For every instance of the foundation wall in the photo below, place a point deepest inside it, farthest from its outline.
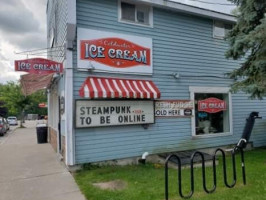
(53, 138)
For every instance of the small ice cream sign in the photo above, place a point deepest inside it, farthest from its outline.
(211, 105)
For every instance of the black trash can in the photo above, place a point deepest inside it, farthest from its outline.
(41, 133)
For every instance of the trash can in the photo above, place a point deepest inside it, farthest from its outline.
(41, 133)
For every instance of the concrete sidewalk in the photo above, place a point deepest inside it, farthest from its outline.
(31, 171)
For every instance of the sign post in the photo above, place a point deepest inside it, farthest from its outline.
(42, 105)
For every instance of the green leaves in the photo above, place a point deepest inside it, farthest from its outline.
(13, 99)
(248, 40)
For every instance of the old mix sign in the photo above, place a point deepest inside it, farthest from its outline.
(113, 52)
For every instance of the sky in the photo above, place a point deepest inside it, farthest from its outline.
(222, 6)
(23, 27)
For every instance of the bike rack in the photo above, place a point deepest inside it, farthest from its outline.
(239, 147)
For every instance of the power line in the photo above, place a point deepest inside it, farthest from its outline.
(206, 2)
(51, 53)
(36, 50)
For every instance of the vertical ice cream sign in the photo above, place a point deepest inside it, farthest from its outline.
(111, 52)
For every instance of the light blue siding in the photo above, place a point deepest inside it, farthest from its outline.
(60, 90)
(56, 19)
(182, 44)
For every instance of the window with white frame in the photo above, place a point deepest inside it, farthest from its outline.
(213, 113)
(135, 13)
(221, 29)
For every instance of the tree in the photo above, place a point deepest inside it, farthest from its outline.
(248, 40)
(14, 100)
(3, 109)
(18, 104)
(34, 100)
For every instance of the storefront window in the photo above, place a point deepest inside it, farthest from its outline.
(212, 111)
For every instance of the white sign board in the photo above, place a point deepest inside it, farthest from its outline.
(91, 113)
(174, 108)
(114, 52)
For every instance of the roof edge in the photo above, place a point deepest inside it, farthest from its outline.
(183, 8)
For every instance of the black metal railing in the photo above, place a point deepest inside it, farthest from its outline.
(214, 157)
(238, 148)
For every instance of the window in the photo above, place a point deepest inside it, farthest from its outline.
(128, 11)
(135, 13)
(213, 113)
(220, 29)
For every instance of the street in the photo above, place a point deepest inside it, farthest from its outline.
(5, 137)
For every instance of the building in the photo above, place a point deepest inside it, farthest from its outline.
(131, 56)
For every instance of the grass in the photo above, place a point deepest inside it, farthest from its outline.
(146, 182)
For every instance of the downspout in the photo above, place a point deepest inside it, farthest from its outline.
(69, 98)
(143, 158)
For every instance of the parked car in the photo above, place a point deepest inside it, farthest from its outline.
(7, 124)
(12, 120)
(3, 126)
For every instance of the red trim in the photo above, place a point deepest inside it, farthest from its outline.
(131, 92)
(100, 91)
(142, 90)
(135, 89)
(148, 89)
(108, 91)
(156, 89)
(90, 88)
(130, 83)
(124, 94)
(114, 88)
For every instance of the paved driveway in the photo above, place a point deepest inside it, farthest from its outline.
(31, 171)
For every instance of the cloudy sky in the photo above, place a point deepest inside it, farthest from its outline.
(23, 27)
(223, 6)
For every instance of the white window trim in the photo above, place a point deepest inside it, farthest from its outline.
(194, 90)
(134, 23)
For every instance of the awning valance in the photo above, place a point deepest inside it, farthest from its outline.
(33, 82)
(99, 87)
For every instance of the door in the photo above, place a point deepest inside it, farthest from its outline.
(59, 126)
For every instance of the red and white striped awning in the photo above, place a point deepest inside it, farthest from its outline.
(98, 87)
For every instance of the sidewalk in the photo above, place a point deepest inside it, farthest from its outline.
(31, 171)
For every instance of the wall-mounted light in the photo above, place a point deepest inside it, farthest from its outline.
(56, 75)
(145, 126)
(91, 67)
(176, 75)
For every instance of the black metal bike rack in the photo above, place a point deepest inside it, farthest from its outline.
(238, 148)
